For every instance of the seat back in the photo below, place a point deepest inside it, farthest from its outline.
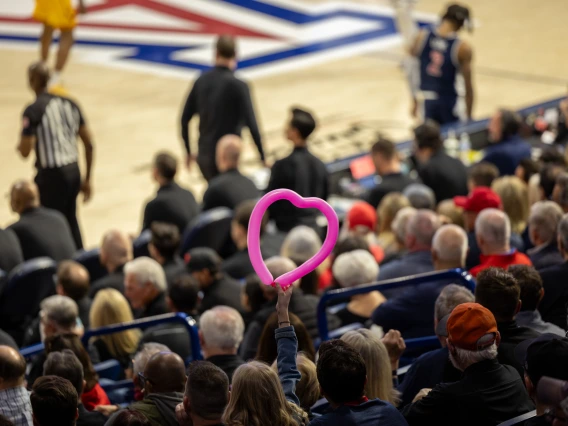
(91, 261)
(110, 369)
(210, 229)
(519, 420)
(27, 285)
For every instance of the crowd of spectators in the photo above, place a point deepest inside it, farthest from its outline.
(504, 220)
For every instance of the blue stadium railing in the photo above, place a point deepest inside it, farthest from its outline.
(180, 318)
(460, 276)
(189, 323)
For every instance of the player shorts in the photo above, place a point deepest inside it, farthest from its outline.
(58, 14)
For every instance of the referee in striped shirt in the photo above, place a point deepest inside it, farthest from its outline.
(50, 125)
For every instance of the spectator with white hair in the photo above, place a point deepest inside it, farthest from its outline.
(493, 233)
(145, 286)
(543, 221)
(420, 196)
(300, 245)
(115, 252)
(553, 304)
(397, 248)
(412, 309)
(302, 305)
(420, 230)
(355, 268)
(488, 392)
(221, 331)
(434, 367)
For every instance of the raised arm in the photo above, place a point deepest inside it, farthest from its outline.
(465, 58)
(287, 345)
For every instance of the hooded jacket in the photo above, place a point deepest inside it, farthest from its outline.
(159, 409)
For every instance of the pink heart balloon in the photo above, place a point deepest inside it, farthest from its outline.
(253, 237)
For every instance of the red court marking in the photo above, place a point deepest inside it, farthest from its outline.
(208, 25)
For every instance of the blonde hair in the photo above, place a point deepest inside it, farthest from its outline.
(110, 307)
(388, 208)
(376, 357)
(515, 198)
(257, 399)
(307, 389)
(454, 213)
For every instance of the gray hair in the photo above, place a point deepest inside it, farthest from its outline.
(147, 351)
(420, 196)
(355, 268)
(562, 182)
(464, 358)
(62, 310)
(544, 218)
(300, 244)
(451, 296)
(400, 221)
(494, 227)
(222, 327)
(147, 270)
(450, 244)
(423, 225)
(563, 232)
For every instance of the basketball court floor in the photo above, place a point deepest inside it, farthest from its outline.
(135, 60)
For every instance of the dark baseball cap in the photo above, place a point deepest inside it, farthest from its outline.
(202, 258)
(546, 355)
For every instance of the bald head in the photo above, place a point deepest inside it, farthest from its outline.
(72, 280)
(38, 75)
(449, 247)
(164, 372)
(116, 250)
(493, 231)
(24, 195)
(228, 152)
(12, 367)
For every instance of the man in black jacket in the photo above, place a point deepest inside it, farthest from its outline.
(116, 251)
(218, 288)
(488, 393)
(163, 248)
(41, 231)
(10, 250)
(499, 291)
(224, 105)
(230, 188)
(301, 172)
(543, 223)
(145, 287)
(172, 204)
(446, 176)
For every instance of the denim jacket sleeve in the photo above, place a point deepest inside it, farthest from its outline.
(287, 345)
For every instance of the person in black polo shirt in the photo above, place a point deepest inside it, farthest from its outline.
(446, 176)
(173, 204)
(224, 106)
(230, 188)
(387, 164)
(301, 172)
(50, 125)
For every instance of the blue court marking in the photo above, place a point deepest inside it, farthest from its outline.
(161, 54)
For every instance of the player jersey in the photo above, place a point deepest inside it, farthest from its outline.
(55, 122)
(439, 66)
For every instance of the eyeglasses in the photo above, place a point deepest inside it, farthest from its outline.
(143, 379)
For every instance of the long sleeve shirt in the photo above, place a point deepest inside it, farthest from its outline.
(224, 106)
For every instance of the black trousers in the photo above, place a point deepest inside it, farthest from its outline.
(208, 166)
(58, 190)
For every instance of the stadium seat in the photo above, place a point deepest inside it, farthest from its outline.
(338, 332)
(140, 244)
(90, 260)
(110, 369)
(519, 420)
(27, 285)
(210, 229)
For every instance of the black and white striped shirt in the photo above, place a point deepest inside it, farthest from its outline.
(55, 122)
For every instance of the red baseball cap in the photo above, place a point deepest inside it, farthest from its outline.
(479, 199)
(471, 327)
(362, 214)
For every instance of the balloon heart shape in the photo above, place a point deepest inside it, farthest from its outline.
(253, 237)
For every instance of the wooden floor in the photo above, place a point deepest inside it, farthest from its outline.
(519, 60)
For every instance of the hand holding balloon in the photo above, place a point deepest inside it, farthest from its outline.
(253, 237)
(284, 296)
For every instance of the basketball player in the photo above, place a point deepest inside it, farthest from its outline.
(445, 65)
(60, 15)
(50, 126)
